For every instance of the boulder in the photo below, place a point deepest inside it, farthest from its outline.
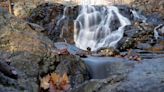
(75, 69)
(32, 55)
(147, 76)
(23, 48)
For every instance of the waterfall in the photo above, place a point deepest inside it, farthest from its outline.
(95, 2)
(93, 26)
(138, 16)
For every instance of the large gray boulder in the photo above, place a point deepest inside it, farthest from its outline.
(23, 48)
(147, 76)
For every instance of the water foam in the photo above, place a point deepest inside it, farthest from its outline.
(92, 27)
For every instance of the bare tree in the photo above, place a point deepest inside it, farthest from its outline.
(10, 7)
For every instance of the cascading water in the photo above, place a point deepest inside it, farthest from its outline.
(98, 26)
(92, 28)
(61, 21)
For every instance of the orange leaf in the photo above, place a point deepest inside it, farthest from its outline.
(60, 83)
(65, 79)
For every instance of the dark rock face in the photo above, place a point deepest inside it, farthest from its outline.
(125, 11)
(75, 68)
(136, 34)
(143, 46)
(51, 17)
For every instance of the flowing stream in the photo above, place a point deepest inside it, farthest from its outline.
(94, 28)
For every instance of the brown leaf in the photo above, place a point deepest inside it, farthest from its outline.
(55, 82)
(60, 83)
(45, 82)
(65, 79)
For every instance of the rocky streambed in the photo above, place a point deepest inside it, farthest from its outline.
(43, 44)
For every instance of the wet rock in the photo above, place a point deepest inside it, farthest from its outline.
(131, 31)
(143, 77)
(51, 17)
(108, 52)
(159, 32)
(75, 68)
(133, 55)
(154, 19)
(144, 46)
(97, 85)
(126, 43)
(137, 33)
(141, 31)
(125, 11)
(157, 47)
(148, 80)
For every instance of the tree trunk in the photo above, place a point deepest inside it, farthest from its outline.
(10, 7)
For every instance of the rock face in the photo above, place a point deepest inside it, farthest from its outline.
(75, 68)
(147, 76)
(57, 19)
(28, 54)
(150, 6)
(23, 48)
(23, 9)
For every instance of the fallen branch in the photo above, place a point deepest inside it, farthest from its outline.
(7, 70)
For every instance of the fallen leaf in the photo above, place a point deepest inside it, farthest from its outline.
(60, 83)
(45, 82)
(55, 82)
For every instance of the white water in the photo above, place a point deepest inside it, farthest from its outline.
(159, 27)
(138, 16)
(64, 17)
(92, 27)
(95, 2)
